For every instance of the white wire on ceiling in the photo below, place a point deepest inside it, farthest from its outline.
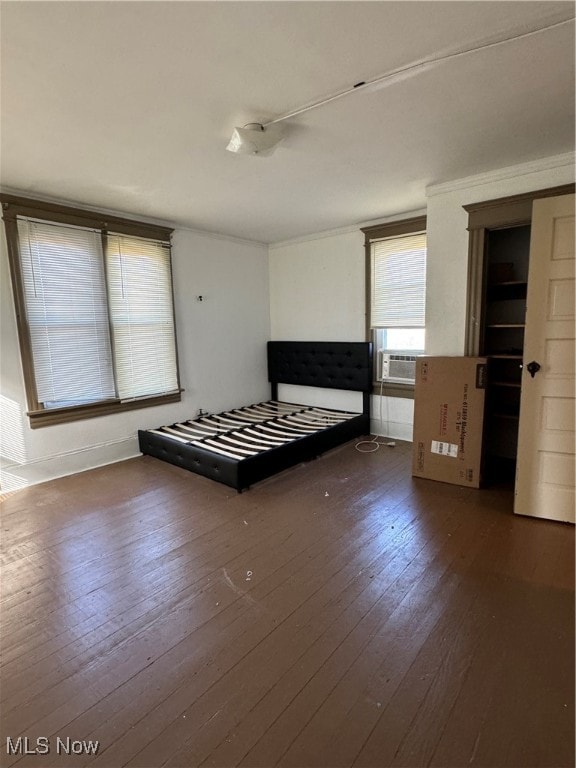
(415, 68)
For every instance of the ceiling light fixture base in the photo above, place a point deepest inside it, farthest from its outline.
(255, 139)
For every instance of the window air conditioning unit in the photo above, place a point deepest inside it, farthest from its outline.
(397, 368)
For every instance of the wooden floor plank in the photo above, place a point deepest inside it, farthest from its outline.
(298, 631)
(317, 718)
(341, 613)
(275, 608)
(66, 691)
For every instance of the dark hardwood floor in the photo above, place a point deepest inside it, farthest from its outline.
(339, 614)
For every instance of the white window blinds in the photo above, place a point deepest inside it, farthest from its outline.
(66, 307)
(141, 315)
(100, 319)
(398, 291)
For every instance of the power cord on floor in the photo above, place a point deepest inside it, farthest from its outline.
(375, 443)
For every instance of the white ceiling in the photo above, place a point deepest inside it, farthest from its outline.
(129, 105)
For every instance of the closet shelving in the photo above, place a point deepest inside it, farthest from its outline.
(502, 342)
(499, 252)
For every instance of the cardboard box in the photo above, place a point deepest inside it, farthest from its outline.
(448, 419)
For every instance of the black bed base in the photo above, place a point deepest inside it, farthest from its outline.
(243, 474)
(324, 364)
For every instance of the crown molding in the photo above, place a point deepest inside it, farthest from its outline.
(314, 236)
(218, 236)
(175, 225)
(568, 159)
(348, 229)
(31, 195)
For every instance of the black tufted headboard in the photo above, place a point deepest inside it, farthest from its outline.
(327, 364)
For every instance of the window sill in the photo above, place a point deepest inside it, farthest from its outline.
(393, 390)
(52, 416)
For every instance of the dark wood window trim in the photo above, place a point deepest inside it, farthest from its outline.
(405, 391)
(394, 229)
(14, 206)
(51, 416)
(379, 232)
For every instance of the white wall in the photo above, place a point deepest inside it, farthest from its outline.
(221, 339)
(447, 265)
(317, 293)
(222, 351)
(317, 284)
(317, 288)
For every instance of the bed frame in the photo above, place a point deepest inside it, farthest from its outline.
(328, 365)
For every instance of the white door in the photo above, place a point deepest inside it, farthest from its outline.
(545, 467)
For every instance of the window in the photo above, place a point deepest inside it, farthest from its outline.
(95, 311)
(396, 296)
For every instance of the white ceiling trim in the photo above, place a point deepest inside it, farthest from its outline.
(85, 207)
(348, 229)
(567, 159)
(218, 236)
(130, 215)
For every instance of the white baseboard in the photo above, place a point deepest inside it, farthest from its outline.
(14, 476)
(394, 429)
